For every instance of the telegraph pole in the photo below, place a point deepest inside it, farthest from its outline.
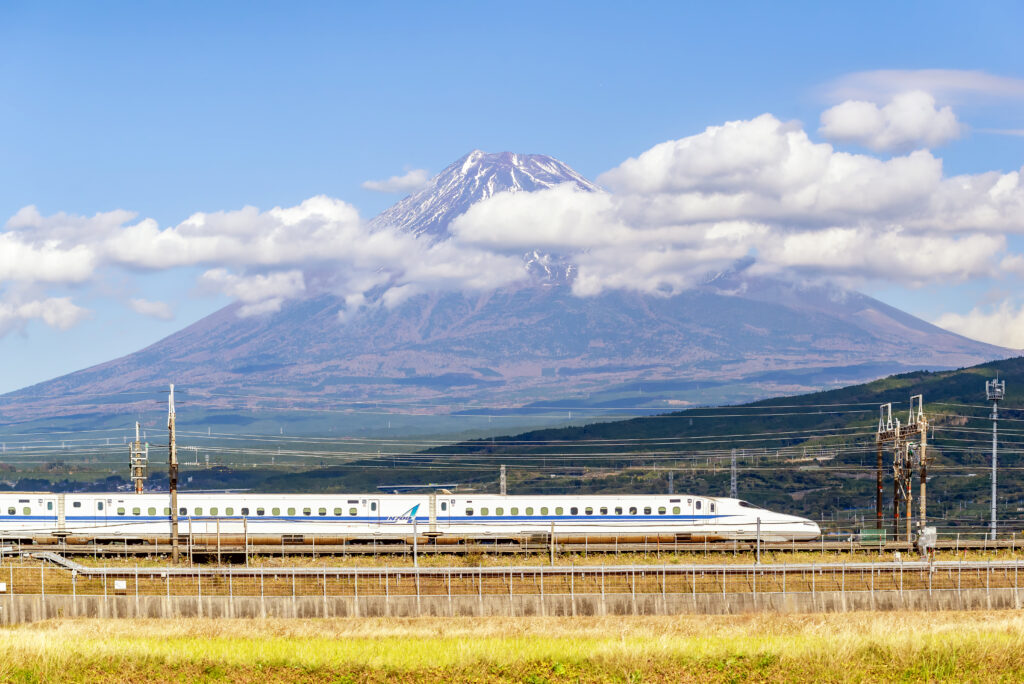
(503, 482)
(995, 390)
(172, 475)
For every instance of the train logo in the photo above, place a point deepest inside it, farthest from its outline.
(406, 517)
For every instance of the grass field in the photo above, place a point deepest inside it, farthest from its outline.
(849, 647)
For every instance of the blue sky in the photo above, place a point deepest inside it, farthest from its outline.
(166, 109)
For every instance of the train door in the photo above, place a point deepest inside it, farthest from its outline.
(99, 512)
(444, 513)
(373, 511)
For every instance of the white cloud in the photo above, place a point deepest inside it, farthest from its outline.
(258, 293)
(1002, 325)
(158, 310)
(56, 312)
(946, 84)
(909, 120)
(761, 188)
(406, 183)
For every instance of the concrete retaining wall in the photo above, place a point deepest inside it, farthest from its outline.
(29, 608)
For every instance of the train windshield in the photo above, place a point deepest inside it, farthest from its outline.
(745, 504)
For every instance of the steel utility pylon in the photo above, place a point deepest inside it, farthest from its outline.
(907, 456)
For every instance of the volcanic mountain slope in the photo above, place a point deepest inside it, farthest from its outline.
(534, 342)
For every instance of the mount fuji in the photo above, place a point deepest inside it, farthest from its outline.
(734, 337)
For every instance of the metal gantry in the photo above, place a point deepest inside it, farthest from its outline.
(908, 456)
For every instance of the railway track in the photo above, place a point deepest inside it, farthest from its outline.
(208, 548)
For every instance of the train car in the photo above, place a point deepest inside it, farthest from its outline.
(444, 516)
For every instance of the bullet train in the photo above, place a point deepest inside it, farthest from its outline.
(442, 516)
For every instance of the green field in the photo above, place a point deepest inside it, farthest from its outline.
(848, 647)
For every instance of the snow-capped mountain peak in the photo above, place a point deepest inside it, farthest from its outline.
(475, 177)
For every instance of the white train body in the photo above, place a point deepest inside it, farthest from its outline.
(301, 517)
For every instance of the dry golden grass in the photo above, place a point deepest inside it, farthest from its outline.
(837, 647)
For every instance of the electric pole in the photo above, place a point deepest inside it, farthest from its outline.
(172, 475)
(503, 482)
(138, 461)
(994, 391)
(733, 490)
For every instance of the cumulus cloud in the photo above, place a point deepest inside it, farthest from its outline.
(57, 312)
(761, 189)
(909, 120)
(159, 310)
(1002, 325)
(260, 293)
(408, 182)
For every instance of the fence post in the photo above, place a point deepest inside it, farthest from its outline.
(231, 593)
(355, 600)
(325, 591)
(784, 573)
(136, 591)
(42, 580)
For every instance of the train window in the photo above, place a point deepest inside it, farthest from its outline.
(559, 510)
(151, 511)
(661, 510)
(275, 511)
(182, 511)
(120, 511)
(49, 505)
(444, 505)
(574, 511)
(589, 511)
(229, 511)
(167, 511)
(199, 511)
(373, 505)
(76, 504)
(337, 511)
(604, 510)
(697, 505)
(499, 511)
(514, 511)
(99, 505)
(10, 511)
(632, 510)
(712, 508)
(261, 511)
(484, 511)
(245, 511)
(675, 510)
(529, 510)
(214, 510)
(353, 511)
(136, 511)
(544, 510)
(618, 510)
(673, 500)
(307, 511)
(322, 511)
(27, 510)
(353, 501)
(291, 511)
(469, 511)
(647, 510)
